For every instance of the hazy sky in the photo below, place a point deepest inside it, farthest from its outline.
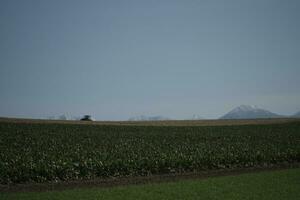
(117, 59)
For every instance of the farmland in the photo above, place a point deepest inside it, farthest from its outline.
(47, 152)
(271, 185)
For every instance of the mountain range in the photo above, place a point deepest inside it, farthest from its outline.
(240, 112)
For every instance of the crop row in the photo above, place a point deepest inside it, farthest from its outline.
(60, 152)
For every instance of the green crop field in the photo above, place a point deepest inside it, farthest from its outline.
(40, 152)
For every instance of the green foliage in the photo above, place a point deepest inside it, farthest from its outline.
(59, 152)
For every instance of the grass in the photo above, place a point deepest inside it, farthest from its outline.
(275, 185)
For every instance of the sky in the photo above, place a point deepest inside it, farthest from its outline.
(118, 59)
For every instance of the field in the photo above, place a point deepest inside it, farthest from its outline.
(53, 152)
(274, 185)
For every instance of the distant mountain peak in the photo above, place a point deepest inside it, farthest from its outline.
(249, 112)
(247, 107)
(195, 117)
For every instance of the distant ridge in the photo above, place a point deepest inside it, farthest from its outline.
(195, 117)
(249, 112)
(148, 118)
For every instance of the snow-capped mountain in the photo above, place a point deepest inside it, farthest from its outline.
(148, 118)
(249, 112)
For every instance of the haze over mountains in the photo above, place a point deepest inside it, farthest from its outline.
(148, 118)
(240, 112)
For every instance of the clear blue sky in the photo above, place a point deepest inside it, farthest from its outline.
(117, 59)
